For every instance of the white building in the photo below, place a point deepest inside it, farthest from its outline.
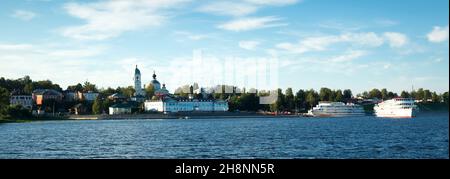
(171, 105)
(23, 100)
(166, 103)
(122, 108)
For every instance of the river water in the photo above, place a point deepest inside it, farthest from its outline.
(360, 137)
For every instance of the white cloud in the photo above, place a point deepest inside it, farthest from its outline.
(229, 8)
(192, 36)
(249, 45)
(15, 46)
(24, 15)
(245, 24)
(321, 43)
(396, 39)
(349, 56)
(238, 8)
(68, 64)
(273, 2)
(108, 19)
(439, 34)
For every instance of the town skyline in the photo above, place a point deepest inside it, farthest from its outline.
(316, 45)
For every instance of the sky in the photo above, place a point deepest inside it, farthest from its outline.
(303, 44)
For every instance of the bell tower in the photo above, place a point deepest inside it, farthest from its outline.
(137, 82)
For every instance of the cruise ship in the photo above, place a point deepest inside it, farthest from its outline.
(396, 108)
(336, 109)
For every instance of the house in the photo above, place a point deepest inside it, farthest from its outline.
(117, 97)
(42, 95)
(70, 96)
(24, 100)
(89, 96)
(123, 108)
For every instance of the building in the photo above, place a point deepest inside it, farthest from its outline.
(137, 83)
(90, 96)
(70, 96)
(42, 95)
(24, 100)
(166, 102)
(117, 97)
(171, 105)
(155, 83)
(123, 108)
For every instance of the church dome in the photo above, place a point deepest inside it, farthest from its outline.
(155, 83)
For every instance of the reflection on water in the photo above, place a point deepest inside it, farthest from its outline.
(361, 137)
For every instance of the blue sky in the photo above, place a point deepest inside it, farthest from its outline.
(355, 44)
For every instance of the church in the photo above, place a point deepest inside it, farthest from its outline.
(163, 101)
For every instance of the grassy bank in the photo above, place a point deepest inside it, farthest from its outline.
(31, 119)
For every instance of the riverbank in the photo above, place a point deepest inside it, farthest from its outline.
(186, 115)
(195, 115)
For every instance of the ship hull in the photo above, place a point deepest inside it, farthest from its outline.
(396, 113)
(319, 114)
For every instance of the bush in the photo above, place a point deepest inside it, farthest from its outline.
(14, 112)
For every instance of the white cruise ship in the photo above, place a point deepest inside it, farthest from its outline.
(336, 109)
(396, 108)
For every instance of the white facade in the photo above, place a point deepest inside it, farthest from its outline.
(23, 100)
(396, 108)
(186, 106)
(115, 111)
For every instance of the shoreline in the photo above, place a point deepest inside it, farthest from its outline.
(168, 116)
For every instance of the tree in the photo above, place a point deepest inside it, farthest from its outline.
(87, 86)
(28, 88)
(419, 94)
(234, 103)
(325, 94)
(435, 98)
(77, 87)
(289, 100)
(14, 112)
(426, 95)
(347, 95)
(445, 97)
(4, 102)
(405, 94)
(384, 94)
(97, 106)
(46, 84)
(150, 91)
(103, 93)
(312, 98)
(391, 95)
(339, 97)
(279, 104)
(300, 100)
(375, 93)
(128, 91)
(248, 102)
